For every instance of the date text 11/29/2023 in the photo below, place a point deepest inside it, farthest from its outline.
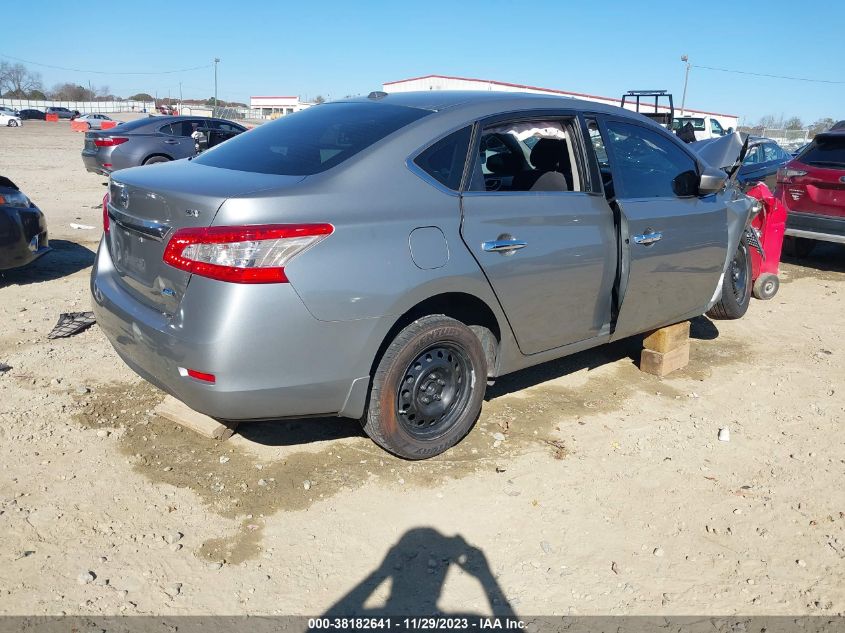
(416, 624)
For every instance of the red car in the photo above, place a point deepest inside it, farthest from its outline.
(812, 186)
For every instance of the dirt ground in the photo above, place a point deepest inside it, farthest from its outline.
(609, 494)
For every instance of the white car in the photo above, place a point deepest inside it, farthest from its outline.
(94, 121)
(10, 120)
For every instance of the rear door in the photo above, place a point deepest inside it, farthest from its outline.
(543, 238)
(673, 246)
(176, 140)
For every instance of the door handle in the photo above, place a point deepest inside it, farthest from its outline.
(171, 141)
(506, 247)
(649, 237)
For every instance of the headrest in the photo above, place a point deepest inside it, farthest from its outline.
(503, 163)
(547, 153)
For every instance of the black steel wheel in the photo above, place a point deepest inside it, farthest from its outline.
(428, 388)
(736, 286)
(434, 391)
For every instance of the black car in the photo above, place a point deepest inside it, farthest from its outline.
(37, 115)
(63, 113)
(23, 229)
(762, 161)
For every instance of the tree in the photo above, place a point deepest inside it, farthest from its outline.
(36, 95)
(17, 79)
(794, 123)
(319, 99)
(821, 125)
(71, 92)
(141, 96)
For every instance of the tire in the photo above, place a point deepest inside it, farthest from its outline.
(12, 123)
(798, 247)
(152, 160)
(442, 363)
(89, 126)
(766, 286)
(736, 287)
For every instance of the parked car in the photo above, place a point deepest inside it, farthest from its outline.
(63, 113)
(94, 121)
(28, 114)
(704, 127)
(762, 161)
(370, 259)
(9, 111)
(812, 186)
(10, 120)
(152, 140)
(23, 229)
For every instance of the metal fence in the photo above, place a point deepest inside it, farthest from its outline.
(82, 106)
(786, 138)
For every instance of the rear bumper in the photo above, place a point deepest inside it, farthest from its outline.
(23, 237)
(93, 164)
(816, 227)
(271, 358)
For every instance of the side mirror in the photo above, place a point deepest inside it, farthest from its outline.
(686, 184)
(711, 181)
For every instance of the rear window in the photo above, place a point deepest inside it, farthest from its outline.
(134, 125)
(311, 141)
(825, 151)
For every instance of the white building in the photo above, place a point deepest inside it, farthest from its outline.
(443, 82)
(274, 107)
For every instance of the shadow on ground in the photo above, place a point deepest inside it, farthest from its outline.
(827, 258)
(416, 568)
(701, 328)
(300, 431)
(65, 259)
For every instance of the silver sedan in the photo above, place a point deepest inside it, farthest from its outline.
(94, 121)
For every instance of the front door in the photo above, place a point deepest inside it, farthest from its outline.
(674, 246)
(546, 244)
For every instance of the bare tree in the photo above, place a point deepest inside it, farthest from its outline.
(319, 99)
(71, 92)
(821, 125)
(17, 81)
(794, 123)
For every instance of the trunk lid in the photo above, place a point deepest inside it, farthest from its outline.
(148, 204)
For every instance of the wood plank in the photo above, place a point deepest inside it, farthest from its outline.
(668, 338)
(179, 412)
(662, 363)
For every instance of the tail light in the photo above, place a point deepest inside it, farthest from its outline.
(242, 254)
(786, 174)
(110, 141)
(106, 213)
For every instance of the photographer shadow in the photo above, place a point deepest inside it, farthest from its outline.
(417, 566)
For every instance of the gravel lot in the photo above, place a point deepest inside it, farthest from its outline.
(586, 487)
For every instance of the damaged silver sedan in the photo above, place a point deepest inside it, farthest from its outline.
(382, 258)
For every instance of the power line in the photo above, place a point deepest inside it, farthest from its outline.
(103, 72)
(744, 72)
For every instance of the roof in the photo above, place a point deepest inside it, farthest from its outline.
(546, 90)
(446, 99)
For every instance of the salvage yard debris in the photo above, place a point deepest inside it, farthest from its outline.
(71, 323)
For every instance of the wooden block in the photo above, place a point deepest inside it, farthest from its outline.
(662, 363)
(668, 338)
(179, 412)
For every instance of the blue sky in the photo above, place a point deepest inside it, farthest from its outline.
(334, 48)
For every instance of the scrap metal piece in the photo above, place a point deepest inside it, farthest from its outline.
(71, 323)
(4, 368)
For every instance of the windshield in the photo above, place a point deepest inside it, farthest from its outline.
(311, 141)
(825, 151)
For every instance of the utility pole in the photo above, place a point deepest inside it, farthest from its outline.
(216, 61)
(685, 59)
(180, 97)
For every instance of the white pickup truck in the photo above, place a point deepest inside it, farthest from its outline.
(705, 127)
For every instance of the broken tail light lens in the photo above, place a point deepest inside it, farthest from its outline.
(110, 141)
(106, 214)
(242, 254)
